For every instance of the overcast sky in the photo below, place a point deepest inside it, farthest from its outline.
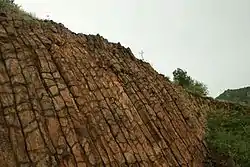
(210, 39)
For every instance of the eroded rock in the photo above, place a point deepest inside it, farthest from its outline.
(78, 100)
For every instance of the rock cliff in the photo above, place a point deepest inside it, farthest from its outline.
(70, 99)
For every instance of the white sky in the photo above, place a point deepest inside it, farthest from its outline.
(210, 39)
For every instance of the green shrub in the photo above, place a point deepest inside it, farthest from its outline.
(188, 83)
(228, 133)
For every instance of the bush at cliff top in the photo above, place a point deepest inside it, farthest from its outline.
(229, 134)
(188, 83)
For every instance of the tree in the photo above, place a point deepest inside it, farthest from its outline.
(182, 78)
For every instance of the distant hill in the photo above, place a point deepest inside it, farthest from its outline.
(241, 95)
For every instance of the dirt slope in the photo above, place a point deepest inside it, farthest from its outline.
(78, 100)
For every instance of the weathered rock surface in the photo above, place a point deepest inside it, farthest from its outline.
(78, 100)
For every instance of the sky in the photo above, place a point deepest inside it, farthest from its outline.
(210, 39)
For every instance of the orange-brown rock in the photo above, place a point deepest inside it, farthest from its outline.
(70, 99)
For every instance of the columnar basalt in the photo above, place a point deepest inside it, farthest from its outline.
(70, 99)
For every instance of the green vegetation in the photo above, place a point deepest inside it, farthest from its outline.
(182, 78)
(10, 7)
(228, 134)
(241, 96)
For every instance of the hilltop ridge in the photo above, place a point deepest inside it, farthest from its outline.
(241, 95)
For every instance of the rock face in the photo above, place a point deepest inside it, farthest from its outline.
(78, 100)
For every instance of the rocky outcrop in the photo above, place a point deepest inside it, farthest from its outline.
(70, 99)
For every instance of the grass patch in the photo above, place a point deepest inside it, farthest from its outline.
(9, 6)
(228, 134)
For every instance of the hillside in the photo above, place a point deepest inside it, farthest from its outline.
(70, 99)
(241, 95)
